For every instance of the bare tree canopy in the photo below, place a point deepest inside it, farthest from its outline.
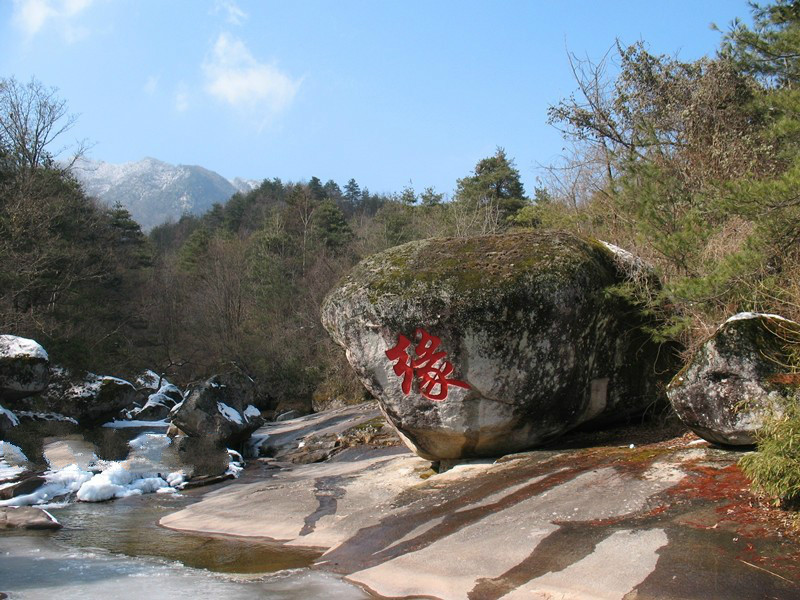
(32, 117)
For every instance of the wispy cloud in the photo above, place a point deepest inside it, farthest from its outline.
(233, 14)
(234, 76)
(31, 16)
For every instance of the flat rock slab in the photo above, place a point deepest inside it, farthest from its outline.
(286, 440)
(26, 517)
(669, 520)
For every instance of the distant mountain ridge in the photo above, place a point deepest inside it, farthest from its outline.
(155, 191)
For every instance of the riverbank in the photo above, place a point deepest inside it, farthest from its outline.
(630, 513)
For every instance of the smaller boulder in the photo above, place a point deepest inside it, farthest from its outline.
(158, 405)
(24, 367)
(26, 484)
(90, 399)
(219, 411)
(735, 379)
(26, 517)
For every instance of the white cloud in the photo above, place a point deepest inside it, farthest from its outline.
(233, 14)
(32, 15)
(235, 77)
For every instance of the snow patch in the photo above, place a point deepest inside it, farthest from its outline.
(236, 464)
(134, 424)
(141, 473)
(11, 416)
(46, 416)
(251, 411)
(57, 483)
(230, 413)
(14, 346)
(90, 386)
(755, 315)
(118, 481)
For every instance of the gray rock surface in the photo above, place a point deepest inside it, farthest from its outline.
(735, 379)
(24, 367)
(217, 411)
(537, 343)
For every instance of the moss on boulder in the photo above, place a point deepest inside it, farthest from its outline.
(528, 323)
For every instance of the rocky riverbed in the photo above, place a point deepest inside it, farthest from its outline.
(337, 507)
(639, 512)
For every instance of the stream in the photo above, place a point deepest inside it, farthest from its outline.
(117, 550)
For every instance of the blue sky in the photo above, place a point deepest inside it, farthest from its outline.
(385, 92)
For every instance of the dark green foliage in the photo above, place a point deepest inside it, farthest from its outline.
(430, 197)
(331, 227)
(70, 272)
(316, 189)
(194, 251)
(775, 468)
(495, 184)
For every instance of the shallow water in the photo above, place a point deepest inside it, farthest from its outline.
(117, 550)
(134, 523)
(34, 567)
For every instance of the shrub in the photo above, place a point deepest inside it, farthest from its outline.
(775, 468)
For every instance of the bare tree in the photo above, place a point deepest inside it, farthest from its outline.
(32, 117)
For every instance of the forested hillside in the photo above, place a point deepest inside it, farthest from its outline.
(693, 166)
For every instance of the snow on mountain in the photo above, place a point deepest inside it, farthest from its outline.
(156, 192)
(245, 185)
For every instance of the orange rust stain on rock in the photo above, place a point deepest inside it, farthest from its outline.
(785, 378)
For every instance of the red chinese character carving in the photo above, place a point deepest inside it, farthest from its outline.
(429, 365)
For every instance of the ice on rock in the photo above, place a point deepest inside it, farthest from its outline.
(57, 484)
(230, 413)
(12, 461)
(143, 472)
(251, 411)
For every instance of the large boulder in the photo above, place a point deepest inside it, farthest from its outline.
(515, 339)
(735, 379)
(219, 410)
(24, 367)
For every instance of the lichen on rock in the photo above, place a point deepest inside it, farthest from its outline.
(734, 380)
(526, 320)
